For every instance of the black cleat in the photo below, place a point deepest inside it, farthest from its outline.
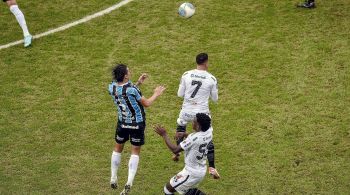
(126, 190)
(114, 186)
(306, 4)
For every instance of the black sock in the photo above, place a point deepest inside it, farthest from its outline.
(180, 129)
(211, 154)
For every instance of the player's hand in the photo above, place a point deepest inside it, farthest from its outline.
(160, 130)
(159, 90)
(142, 78)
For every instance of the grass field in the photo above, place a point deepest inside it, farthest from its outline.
(282, 124)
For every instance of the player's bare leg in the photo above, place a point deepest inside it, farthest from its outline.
(12, 4)
(115, 162)
(211, 159)
(133, 164)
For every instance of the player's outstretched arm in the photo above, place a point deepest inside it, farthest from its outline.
(162, 132)
(158, 91)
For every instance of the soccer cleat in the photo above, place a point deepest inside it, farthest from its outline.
(28, 40)
(114, 185)
(126, 190)
(176, 157)
(213, 172)
(306, 4)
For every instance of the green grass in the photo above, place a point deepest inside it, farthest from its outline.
(282, 124)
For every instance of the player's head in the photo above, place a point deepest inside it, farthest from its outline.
(121, 73)
(202, 122)
(202, 59)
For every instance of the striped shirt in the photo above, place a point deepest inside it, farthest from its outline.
(127, 98)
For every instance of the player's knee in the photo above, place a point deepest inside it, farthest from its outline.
(194, 191)
(11, 3)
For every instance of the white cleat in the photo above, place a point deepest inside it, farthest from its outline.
(213, 172)
(28, 40)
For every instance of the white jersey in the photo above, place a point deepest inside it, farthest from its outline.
(195, 147)
(196, 87)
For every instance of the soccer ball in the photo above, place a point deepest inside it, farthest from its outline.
(186, 10)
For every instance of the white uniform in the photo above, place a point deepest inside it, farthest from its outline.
(195, 147)
(196, 87)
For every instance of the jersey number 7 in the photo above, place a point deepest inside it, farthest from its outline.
(199, 84)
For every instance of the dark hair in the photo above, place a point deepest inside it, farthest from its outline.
(119, 71)
(201, 58)
(204, 121)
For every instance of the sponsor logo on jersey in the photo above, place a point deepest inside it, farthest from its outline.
(207, 138)
(130, 127)
(198, 76)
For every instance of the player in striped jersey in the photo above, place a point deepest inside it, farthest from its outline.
(131, 120)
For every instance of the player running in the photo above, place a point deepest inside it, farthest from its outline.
(131, 120)
(196, 150)
(196, 87)
(12, 4)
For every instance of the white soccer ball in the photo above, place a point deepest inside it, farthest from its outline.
(186, 10)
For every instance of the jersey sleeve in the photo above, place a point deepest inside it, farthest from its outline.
(214, 93)
(135, 93)
(182, 87)
(110, 88)
(188, 142)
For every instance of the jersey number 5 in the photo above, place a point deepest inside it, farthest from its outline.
(203, 150)
(199, 84)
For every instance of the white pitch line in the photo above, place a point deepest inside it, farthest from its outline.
(64, 27)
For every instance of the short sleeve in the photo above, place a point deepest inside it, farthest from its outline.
(135, 93)
(182, 87)
(110, 88)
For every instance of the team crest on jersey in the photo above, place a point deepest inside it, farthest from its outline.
(177, 177)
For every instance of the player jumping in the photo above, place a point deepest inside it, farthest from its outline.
(196, 87)
(21, 21)
(196, 150)
(131, 120)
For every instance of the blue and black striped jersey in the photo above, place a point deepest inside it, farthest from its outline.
(127, 98)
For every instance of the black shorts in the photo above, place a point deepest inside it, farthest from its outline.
(135, 132)
(5, 0)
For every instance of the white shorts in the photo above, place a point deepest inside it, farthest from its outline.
(187, 116)
(184, 180)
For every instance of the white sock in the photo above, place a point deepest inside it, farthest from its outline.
(20, 19)
(115, 162)
(133, 163)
